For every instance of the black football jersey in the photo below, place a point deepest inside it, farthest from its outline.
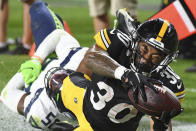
(107, 106)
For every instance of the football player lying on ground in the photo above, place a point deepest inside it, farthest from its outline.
(34, 104)
(110, 72)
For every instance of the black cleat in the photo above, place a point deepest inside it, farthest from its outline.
(126, 23)
(4, 50)
(20, 50)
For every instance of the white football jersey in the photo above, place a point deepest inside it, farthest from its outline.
(39, 109)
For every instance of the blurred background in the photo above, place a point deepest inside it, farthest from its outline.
(76, 14)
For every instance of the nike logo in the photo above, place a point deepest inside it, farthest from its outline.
(179, 85)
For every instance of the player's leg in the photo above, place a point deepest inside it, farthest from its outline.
(43, 21)
(130, 5)
(27, 32)
(25, 45)
(99, 11)
(4, 11)
(48, 31)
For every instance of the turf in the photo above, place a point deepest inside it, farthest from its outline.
(82, 29)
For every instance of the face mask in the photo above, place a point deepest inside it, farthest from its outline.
(142, 67)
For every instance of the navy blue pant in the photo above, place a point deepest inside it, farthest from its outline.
(43, 21)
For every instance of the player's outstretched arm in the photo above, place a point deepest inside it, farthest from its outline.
(99, 62)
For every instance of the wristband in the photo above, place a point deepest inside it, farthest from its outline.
(38, 58)
(119, 71)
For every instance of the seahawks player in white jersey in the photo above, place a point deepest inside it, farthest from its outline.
(36, 106)
(33, 103)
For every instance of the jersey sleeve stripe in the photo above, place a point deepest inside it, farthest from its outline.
(104, 39)
(106, 36)
(181, 96)
(99, 41)
(36, 96)
(68, 57)
(180, 93)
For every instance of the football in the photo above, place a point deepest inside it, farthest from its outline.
(164, 100)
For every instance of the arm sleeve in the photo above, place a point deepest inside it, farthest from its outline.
(13, 92)
(112, 41)
(58, 41)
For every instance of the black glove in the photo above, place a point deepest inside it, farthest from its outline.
(136, 82)
(161, 124)
(158, 125)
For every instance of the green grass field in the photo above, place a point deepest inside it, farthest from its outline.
(82, 29)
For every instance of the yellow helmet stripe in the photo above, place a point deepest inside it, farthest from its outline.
(162, 31)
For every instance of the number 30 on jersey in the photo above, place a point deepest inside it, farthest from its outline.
(116, 109)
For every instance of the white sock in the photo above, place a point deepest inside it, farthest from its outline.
(27, 46)
(2, 44)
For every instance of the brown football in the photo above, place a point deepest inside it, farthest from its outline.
(156, 102)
